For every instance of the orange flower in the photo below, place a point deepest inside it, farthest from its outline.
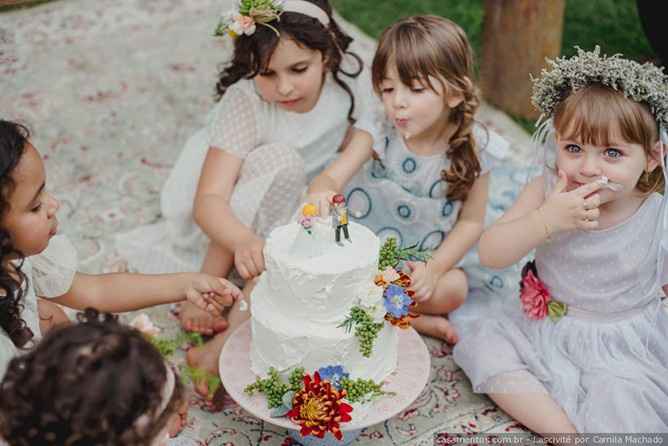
(318, 408)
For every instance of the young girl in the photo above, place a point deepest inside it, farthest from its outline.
(36, 263)
(427, 186)
(96, 382)
(584, 347)
(286, 100)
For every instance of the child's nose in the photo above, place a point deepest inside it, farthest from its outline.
(399, 100)
(590, 166)
(54, 204)
(285, 87)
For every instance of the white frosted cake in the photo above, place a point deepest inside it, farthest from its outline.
(307, 291)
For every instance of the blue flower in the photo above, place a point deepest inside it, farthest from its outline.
(334, 374)
(396, 301)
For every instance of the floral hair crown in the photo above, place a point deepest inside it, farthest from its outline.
(250, 13)
(644, 83)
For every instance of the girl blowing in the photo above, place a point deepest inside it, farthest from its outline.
(584, 347)
(427, 185)
(36, 265)
(93, 383)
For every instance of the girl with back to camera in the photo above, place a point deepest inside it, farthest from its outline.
(427, 185)
(287, 98)
(583, 347)
(93, 383)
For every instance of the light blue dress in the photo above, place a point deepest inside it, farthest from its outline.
(402, 195)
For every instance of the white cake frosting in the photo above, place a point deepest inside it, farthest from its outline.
(307, 291)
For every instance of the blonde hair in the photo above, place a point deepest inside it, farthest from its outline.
(426, 47)
(596, 113)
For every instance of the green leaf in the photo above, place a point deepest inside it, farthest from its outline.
(279, 411)
(287, 399)
(556, 310)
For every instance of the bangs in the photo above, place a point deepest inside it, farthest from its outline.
(411, 51)
(599, 116)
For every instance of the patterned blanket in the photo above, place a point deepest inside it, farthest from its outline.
(111, 90)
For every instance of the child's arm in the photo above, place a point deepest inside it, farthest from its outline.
(213, 213)
(120, 292)
(463, 236)
(333, 179)
(533, 219)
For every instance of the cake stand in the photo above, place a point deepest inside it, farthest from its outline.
(406, 382)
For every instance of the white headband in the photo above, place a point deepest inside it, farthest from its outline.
(307, 8)
(165, 395)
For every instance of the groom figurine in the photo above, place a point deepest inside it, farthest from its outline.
(340, 216)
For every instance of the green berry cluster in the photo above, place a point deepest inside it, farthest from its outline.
(389, 254)
(273, 386)
(361, 389)
(366, 330)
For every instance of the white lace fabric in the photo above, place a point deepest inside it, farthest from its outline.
(50, 274)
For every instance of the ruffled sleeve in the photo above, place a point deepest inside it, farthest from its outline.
(54, 269)
(494, 149)
(233, 122)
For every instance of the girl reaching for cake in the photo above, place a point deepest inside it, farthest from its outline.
(427, 184)
(286, 100)
(583, 347)
(38, 265)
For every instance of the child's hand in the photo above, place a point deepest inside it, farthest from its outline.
(211, 293)
(424, 278)
(248, 257)
(576, 209)
(322, 200)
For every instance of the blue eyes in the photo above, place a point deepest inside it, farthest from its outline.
(609, 152)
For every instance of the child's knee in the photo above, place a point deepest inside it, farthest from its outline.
(458, 286)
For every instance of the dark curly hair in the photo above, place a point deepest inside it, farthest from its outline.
(86, 384)
(13, 140)
(253, 53)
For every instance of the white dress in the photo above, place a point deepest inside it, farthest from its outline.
(281, 152)
(606, 362)
(50, 274)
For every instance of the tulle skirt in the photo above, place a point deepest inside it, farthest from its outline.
(607, 375)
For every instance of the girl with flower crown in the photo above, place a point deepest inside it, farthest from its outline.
(420, 171)
(286, 100)
(583, 347)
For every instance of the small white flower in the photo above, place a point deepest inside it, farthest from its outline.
(144, 324)
(372, 297)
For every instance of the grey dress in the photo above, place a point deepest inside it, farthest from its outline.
(606, 361)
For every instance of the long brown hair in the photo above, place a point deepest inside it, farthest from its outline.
(594, 113)
(424, 47)
(253, 53)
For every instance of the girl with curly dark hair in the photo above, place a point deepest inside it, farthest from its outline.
(93, 383)
(286, 101)
(428, 184)
(37, 264)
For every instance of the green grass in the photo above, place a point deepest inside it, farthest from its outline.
(612, 24)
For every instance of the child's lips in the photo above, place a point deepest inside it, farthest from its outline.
(401, 122)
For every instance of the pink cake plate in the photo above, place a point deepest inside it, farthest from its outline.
(406, 382)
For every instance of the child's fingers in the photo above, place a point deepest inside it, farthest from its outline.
(587, 225)
(592, 202)
(588, 189)
(563, 181)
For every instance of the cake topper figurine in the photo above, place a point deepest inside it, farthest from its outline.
(309, 211)
(340, 217)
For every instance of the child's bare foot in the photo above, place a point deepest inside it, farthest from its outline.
(205, 358)
(436, 326)
(199, 321)
(178, 421)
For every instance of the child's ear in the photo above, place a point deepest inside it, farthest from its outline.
(454, 99)
(654, 158)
